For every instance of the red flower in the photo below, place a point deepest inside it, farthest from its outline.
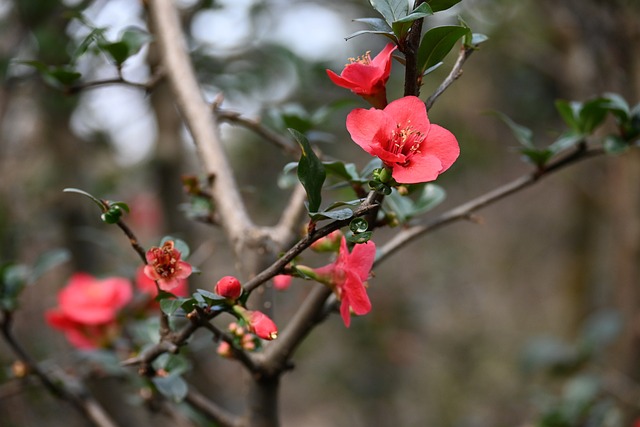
(147, 285)
(404, 139)
(165, 266)
(229, 287)
(347, 276)
(367, 77)
(87, 309)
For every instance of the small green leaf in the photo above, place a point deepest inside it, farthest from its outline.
(613, 144)
(48, 261)
(337, 215)
(172, 386)
(437, 43)
(97, 201)
(565, 141)
(118, 51)
(592, 114)
(377, 25)
(311, 171)
(13, 279)
(391, 10)
(476, 39)
(439, 5)
(170, 306)
(569, 112)
(430, 197)
(401, 26)
(523, 134)
(135, 38)
(538, 157)
(346, 171)
(359, 238)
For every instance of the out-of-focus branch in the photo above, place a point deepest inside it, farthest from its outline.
(287, 227)
(454, 74)
(278, 353)
(147, 87)
(466, 210)
(214, 412)
(80, 399)
(258, 128)
(197, 115)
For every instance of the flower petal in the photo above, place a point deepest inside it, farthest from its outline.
(409, 111)
(356, 294)
(421, 168)
(365, 127)
(442, 144)
(361, 259)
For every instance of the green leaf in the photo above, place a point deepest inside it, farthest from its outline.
(172, 386)
(569, 112)
(401, 26)
(48, 261)
(170, 306)
(210, 295)
(337, 215)
(135, 38)
(592, 114)
(311, 172)
(345, 171)
(567, 140)
(376, 25)
(391, 10)
(618, 106)
(97, 201)
(476, 39)
(437, 43)
(13, 279)
(615, 145)
(118, 51)
(430, 197)
(439, 5)
(523, 134)
(537, 156)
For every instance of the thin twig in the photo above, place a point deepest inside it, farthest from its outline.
(465, 210)
(147, 87)
(255, 126)
(454, 74)
(305, 242)
(80, 400)
(287, 227)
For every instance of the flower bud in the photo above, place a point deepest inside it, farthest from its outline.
(281, 282)
(262, 325)
(229, 287)
(328, 243)
(224, 349)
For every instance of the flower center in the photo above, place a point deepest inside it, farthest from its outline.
(364, 59)
(406, 140)
(165, 260)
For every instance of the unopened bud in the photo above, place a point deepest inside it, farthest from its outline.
(229, 287)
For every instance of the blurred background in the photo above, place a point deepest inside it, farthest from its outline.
(528, 317)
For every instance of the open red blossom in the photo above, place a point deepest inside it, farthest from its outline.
(165, 266)
(88, 307)
(367, 77)
(347, 276)
(402, 137)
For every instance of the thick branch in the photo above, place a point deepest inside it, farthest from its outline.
(197, 115)
(412, 77)
(465, 210)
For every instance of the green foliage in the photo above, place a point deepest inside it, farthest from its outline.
(440, 5)
(424, 197)
(437, 43)
(311, 172)
(58, 77)
(170, 383)
(15, 277)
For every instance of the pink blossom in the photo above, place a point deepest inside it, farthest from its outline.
(347, 276)
(281, 282)
(367, 77)
(402, 137)
(165, 266)
(88, 307)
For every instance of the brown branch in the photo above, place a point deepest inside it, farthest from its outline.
(197, 115)
(465, 210)
(76, 395)
(412, 77)
(212, 411)
(454, 74)
(147, 87)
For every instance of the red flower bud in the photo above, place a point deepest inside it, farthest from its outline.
(262, 326)
(229, 287)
